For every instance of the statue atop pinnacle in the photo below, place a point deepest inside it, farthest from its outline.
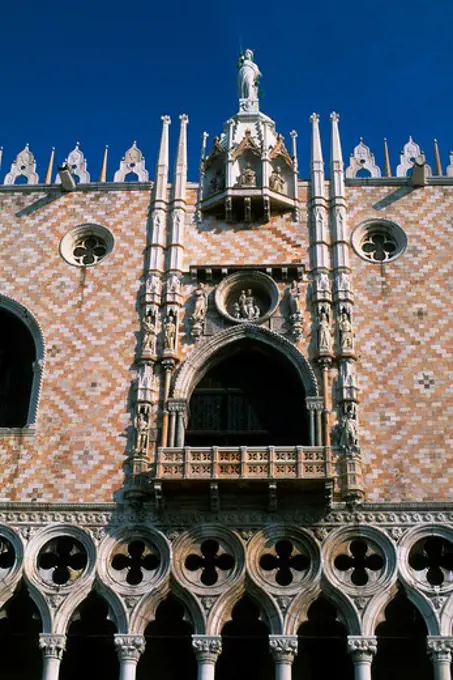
(248, 79)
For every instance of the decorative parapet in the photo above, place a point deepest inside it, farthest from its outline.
(242, 462)
(362, 159)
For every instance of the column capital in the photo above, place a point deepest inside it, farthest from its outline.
(361, 647)
(52, 645)
(129, 647)
(283, 647)
(207, 647)
(440, 647)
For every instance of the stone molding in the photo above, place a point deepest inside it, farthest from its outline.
(129, 647)
(207, 648)
(283, 648)
(52, 645)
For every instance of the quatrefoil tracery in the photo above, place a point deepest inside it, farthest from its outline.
(359, 562)
(138, 560)
(284, 562)
(210, 562)
(434, 557)
(62, 560)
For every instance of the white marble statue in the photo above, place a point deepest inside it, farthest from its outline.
(248, 77)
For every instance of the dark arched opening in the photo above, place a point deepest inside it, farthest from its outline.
(168, 654)
(245, 646)
(17, 354)
(401, 650)
(90, 649)
(322, 648)
(251, 397)
(20, 626)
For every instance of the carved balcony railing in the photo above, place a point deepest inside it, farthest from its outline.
(244, 462)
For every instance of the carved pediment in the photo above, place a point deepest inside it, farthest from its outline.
(280, 150)
(247, 144)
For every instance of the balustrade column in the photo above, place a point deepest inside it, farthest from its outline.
(172, 429)
(440, 650)
(53, 647)
(129, 649)
(362, 650)
(180, 430)
(207, 650)
(283, 649)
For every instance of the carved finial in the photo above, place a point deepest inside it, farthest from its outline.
(23, 165)
(1, 155)
(314, 118)
(77, 165)
(334, 116)
(184, 118)
(387, 168)
(103, 175)
(362, 159)
(49, 172)
(437, 161)
(132, 163)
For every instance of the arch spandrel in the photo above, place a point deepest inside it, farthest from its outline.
(204, 357)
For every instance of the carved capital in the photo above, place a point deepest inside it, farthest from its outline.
(130, 647)
(52, 646)
(362, 648)
(207, 647)
(283, 647)
(440, 648)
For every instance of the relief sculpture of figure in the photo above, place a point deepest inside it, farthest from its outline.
(247, 177)
(246, 307)
(141, 424)
(248, 77)
(276, 181)
(148, 332)
(323, 282)
(200, 304)
(170, 331)
(348, 432)
(346, 333)
(294, 298)
(324, 334)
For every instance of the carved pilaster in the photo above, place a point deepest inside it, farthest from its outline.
(129, 647)
(283, 648)
(53, 646)
(207, 648)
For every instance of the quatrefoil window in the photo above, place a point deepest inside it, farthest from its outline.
(379, 241)
(285, 562)
(359, 562)
(434, 557)
(89, 250)
(210, 562)
(62, 560)
(7, 554)
(379, 246)
(138, 560)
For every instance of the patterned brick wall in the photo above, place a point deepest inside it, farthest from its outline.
(403, 324)
(89, 320)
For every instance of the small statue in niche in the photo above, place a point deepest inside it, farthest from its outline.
(149, 332)
(346, 332)
(294, 298)
(324, 333)
(247, 177)
(276, 181)
(348, 440)
(141, 424)
(170, 331)
(200, 303)
(246, 307)
(323, 283)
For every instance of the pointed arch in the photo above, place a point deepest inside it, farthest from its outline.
(32, 325)
(375, 611)
(222, 611)
(146, 610)
(207, 355)
(298, 611)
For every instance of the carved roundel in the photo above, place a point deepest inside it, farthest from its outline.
(426, 558)
(59, 557)
(282, 559)
(379, 241)
(134, 560)
(247, 297)
(86, 245)
(208, 560)
(360, 560)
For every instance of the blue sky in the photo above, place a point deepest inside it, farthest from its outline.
(104, 71)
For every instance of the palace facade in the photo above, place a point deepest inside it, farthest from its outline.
(226, 414)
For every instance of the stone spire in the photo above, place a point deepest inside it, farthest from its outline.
(49, 172)
(336, 159)
(317, 162)
(387, 168)
(179, 199)
(180, 174)
(160, 186)
(103, 174)
(437, 161)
